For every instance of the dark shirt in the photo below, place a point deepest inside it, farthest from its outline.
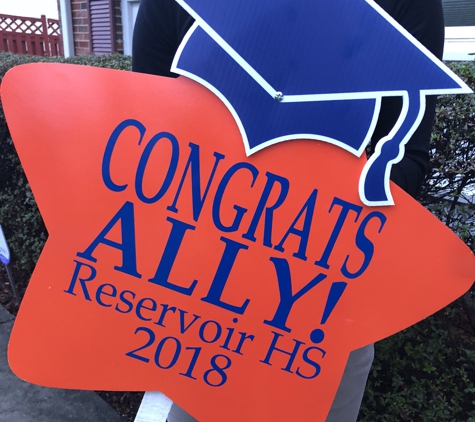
(162, 24)
(159, 30)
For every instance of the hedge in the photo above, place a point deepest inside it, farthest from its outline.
(425, 373)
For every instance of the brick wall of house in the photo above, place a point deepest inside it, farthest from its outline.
(119, 34)
(82, 45)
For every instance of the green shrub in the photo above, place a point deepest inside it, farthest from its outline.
(114, 61)
(427, 372)
(450, 189)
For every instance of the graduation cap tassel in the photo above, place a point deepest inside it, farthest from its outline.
(374, 181)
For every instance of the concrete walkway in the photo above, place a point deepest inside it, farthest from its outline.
(24, 402)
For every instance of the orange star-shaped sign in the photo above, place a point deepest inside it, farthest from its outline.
(235, 285)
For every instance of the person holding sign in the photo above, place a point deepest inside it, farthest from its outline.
(160, 28)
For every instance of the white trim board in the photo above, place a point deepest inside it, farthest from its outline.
(459, 43)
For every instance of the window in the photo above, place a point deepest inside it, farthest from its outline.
(459, 29)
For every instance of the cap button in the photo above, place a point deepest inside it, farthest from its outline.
(279, 96)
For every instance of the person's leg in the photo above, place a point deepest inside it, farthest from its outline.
(347, 402)
(177, 414)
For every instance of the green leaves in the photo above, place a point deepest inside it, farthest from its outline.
(449, 191)
(423, 374)
(427, 372)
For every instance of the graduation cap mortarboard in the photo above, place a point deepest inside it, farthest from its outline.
(314, 69)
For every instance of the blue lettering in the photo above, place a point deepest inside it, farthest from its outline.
(308, 209)
(106, 161)
(141, 305)
(194, 163)
(217, 334)
(168, 258)
(292, 355)
(184, 328)
(127, 302)
(165, 310)
(220, 279)
(100, 291)
(287, 299)
(242, 340)
(346, 207)
(311, 362)
(143, 165)
(240, 211)
(82, 281)
(272, 179)
(129, 259)
(364, 245)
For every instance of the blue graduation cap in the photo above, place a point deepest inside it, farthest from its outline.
(315, 69)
